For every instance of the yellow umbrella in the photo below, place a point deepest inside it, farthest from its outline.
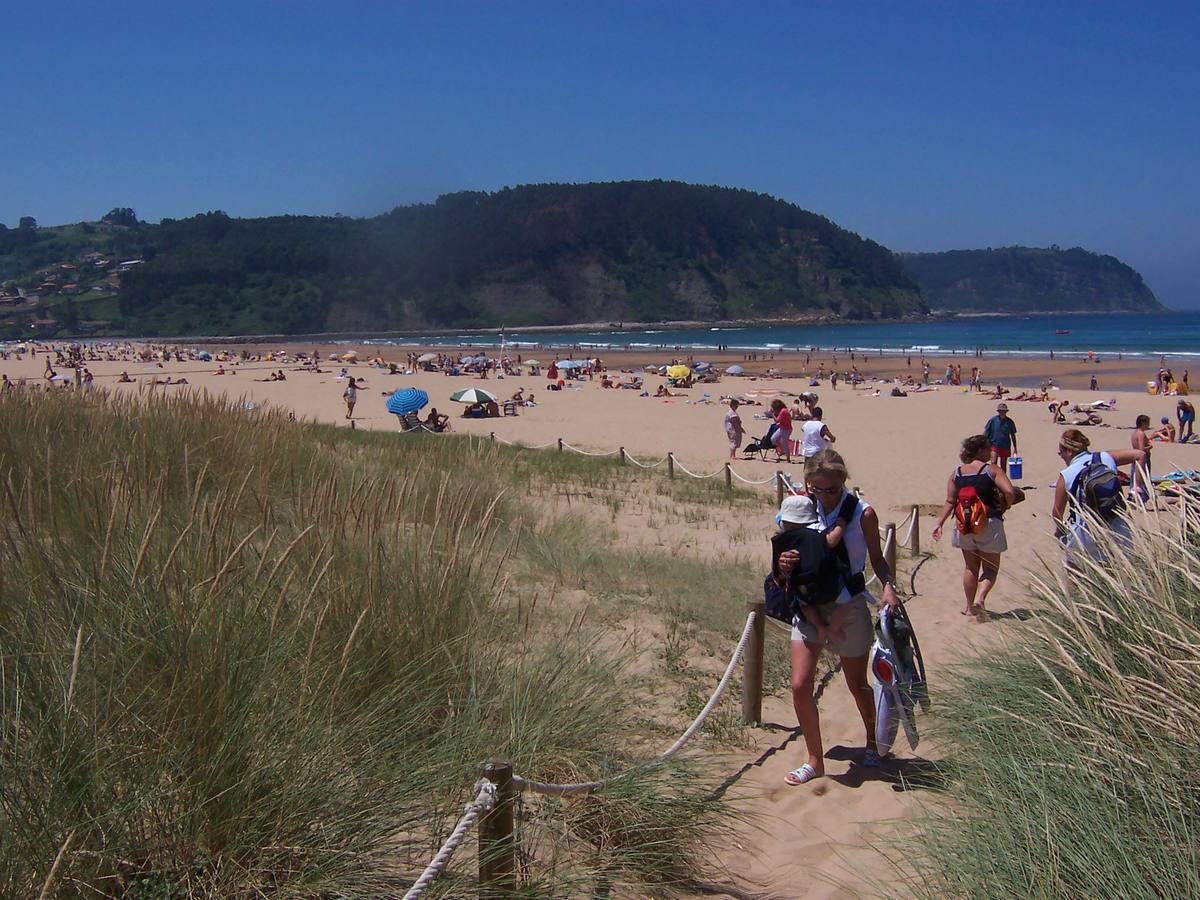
(678, 372)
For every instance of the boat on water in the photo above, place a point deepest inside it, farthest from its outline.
(1062, 331)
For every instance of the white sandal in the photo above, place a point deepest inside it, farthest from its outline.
(802, 775)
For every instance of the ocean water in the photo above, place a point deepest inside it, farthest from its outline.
(1170, 334)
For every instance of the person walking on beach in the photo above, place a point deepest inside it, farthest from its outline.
(815, 435)
(1001, 433)
(783, 431)
(733, 428)
(825, 478)
(1139, 473)
(1090, 480)
(350, 395)
(977, 492)
(1185, 414)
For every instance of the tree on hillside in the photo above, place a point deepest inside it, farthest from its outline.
(120, 215)
(27, 223)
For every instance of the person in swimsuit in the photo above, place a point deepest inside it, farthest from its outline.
(1139, 473)
(981, 552)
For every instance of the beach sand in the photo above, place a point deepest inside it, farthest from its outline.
(811, 840)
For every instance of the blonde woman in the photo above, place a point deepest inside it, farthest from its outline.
(825, 477)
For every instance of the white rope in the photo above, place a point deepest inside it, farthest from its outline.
(538, 787)
(642, 465)
(907, 542)
(887, 542)
(586, 453)
(685, 471)
(484, 800)
(747, 480)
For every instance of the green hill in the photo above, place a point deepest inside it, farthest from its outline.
(1028, 279)
(548, 254)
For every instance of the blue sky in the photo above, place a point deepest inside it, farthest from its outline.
(921, 125)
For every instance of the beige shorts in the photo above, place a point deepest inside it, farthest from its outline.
(859, 631)
(992, 540)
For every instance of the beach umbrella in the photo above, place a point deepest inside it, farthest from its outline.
(532, 362)
(204, 355)
(568, 364)
(407, 400)
(678, 371)
(702, 367)
(427, 357)
(734, 370)
(473, 395)
(350, 354)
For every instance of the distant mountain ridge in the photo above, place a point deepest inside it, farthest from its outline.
(550, 254)
(1028, 280)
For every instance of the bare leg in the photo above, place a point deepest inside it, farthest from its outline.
(970, 579)
(989, 569)
(804, 671)
(855, 670)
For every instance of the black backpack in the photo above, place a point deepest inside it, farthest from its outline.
(1098, 488)
(818, 577)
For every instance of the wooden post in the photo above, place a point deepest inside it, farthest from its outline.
(752, 666)
(915, 546)
(779, 489)
(728, 477)
(670, 464)
(560, 445)
(621, 455)
(493, 437)
(889, 547)
(497, 851)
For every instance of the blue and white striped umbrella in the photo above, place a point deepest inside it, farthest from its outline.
(407, 400)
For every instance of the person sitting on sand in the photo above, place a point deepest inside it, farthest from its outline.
(436, 421)
(1090, 418)
(124, 379)
(1165, 433)
(663, 392)
(519, 396)
(491, 410)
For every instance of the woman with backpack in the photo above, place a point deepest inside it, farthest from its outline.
(977, 493)
(1089, 494)
(825, 476)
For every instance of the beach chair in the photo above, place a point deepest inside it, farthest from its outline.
(510, 407)
(410, 422)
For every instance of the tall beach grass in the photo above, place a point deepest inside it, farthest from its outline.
(1073, 747)
(243, 657)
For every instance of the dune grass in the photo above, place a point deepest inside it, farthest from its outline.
(243, 657)
(1072, 749)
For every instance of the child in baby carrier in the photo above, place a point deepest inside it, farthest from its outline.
(822, 573)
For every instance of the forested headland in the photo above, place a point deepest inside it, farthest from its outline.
(1028, 280)
(551, 254)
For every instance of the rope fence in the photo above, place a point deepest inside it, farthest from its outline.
(485, 799)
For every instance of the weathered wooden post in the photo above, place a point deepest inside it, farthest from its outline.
(728, 477)
(670, 464)
(915, 546)
(497, 851)
(493, 437)
(560, 445)
(779, 488)
(621, 455)
(889, 547)
(752, 666)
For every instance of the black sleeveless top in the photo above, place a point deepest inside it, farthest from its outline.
(984, 486)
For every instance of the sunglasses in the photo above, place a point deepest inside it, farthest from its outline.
(828, 490)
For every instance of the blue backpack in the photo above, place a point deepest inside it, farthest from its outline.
(1098, 488)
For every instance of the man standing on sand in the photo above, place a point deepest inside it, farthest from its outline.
(1186, 414)
(1139, 474)
(1001, 433)
(733, 429)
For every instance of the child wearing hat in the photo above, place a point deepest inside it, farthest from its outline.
(798, 511)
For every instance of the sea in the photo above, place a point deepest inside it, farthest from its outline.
(1175, 334)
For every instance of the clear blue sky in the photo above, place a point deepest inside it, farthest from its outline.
(921, 125)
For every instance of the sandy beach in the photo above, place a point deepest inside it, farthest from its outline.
(900, 451)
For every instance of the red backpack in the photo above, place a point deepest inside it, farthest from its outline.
(970, 512)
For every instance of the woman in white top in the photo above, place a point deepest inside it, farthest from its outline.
(825, 477)
(816, 436)
(1074, 450)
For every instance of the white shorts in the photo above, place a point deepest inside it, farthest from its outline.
(991, 540)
